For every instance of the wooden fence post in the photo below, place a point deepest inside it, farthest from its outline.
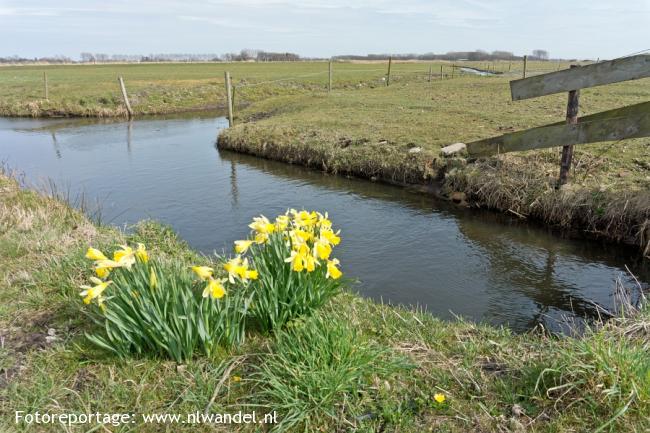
(125, 96)
(47, 97)
(525, 65)
(231, 121)
(430, 72)
(572, 107)
(453, 69)
(442, 76)
(329, 85)
(390, 61)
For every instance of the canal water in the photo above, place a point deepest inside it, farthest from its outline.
(402, 246)
(477, 72)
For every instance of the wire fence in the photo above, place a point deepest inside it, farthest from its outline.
(94, 87)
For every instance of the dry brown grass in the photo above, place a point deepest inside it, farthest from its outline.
(526, 186)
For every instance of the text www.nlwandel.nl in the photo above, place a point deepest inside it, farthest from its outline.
(117, 419)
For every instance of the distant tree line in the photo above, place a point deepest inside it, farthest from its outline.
(49, 59)
(246, 55)
(249, 55)
(477, 55)
(173, 57)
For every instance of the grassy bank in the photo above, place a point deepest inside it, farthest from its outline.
(394, 134)
(356, 366)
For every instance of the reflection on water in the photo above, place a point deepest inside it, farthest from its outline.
(403, 246)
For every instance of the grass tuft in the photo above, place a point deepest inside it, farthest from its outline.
(320, 373)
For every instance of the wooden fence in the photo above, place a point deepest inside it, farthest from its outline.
(622, 123)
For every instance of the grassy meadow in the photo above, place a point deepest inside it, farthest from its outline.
(354, 366)
(93, 90)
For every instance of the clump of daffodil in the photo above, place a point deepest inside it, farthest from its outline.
(161, 307)
(293, 255)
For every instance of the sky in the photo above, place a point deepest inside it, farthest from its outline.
(323, 28)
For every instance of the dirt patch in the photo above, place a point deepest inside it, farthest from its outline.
(16, 342)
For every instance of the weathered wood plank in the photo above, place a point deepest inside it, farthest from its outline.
(627, 122)
(628, 68)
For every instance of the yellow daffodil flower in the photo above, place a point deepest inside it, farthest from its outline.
(305, 236)
(310, 263)
(242, 246)
(124, 256)
(239, 268)
(261, 224)
(103, 267)
(301, 259)
(282, 222)
(153, 279)
(93, 292)
(261, 238)
(231, 267)
(323, 221)
(215, 289)
(330, 236)
(296, 260)
(322, 249)
(95, 254)
(203, 272)
(263, 228)
(332, 271)
(304, 218)
(439, 398)
(141, 253)
(102, 272)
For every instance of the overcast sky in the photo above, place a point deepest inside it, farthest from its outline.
(566, 28)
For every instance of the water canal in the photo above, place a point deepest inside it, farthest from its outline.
(403, 247)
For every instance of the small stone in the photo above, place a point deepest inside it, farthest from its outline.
(518, 411)
(453, 148)
(415, 150)
(51, 332)
(51, 339)
(181, 368)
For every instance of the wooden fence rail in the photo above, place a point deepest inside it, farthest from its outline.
(597, 74)
(627, 122)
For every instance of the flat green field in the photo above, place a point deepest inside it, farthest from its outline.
(93, 90)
